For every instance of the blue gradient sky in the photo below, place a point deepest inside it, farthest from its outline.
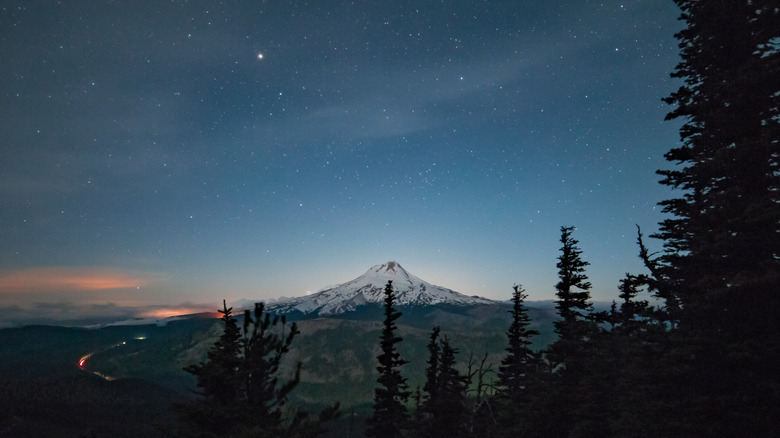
(150, 157)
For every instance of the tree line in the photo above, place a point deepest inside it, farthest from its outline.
(692, 347)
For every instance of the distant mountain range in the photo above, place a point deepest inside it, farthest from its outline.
(369, 289)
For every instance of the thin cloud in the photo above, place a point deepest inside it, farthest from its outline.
(61, 279)
(171, 311)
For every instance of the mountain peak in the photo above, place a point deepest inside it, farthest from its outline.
(369, 288)
(390, 266)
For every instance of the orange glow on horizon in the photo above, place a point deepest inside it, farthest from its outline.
(70, 279)
(176, 311)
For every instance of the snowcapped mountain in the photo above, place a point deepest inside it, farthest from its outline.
(369, 288)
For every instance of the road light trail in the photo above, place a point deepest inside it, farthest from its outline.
(83, 360)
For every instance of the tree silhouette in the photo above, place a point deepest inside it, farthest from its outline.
(263, 350)
(432, 372)
(220, 382)
(722, 243)
(389, 416)
(443, 409)
(573, 304)
(721, 257)
(568, 354)
(517, 367)
(241, 394)
(517, 364)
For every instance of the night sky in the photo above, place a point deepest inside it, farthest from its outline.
(176, 153)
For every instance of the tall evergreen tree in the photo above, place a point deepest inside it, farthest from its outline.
(568, 355)
(389, 417)
(721, 260)
(443, 410)
(263, 350)
(517, 367)
(219, 381)
(573, 303)
(432, 372)
(722, 243)
(450, 411)
(517, 364)
(241, 394)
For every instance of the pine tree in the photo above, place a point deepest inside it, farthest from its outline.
(630, 380)
(620, 380)
(241, 394)
(389, 416)
(432, 372)
(642, 381)
(568, 355)
(517, 367)
(263, 350)
(633, 315)
(218, 377)
(722, 243)
(443, 409)
(219, 381)
(573, 303)
(449, 411)
(517, 364)
(721, 258)
(571, 274)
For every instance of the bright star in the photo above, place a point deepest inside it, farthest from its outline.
(259, 56)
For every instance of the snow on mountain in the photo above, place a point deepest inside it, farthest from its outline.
(369, 288)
